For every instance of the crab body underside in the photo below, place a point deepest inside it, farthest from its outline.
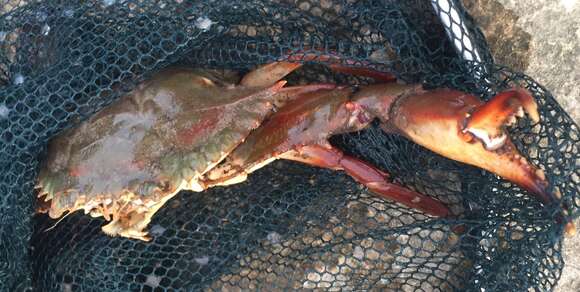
(193, 129)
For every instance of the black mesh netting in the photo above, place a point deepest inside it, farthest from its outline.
(289, 226)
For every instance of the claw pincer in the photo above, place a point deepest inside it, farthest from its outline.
(462, 127)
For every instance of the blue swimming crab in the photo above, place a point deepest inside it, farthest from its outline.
(187, 129)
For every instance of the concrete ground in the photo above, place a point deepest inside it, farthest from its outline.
(541, 38)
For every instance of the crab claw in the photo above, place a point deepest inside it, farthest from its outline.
(486, 121)
(462, 127)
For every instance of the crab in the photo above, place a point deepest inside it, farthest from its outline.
(189, 129)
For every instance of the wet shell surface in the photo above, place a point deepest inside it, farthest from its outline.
(127, 160)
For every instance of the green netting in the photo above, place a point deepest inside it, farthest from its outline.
(289, 226)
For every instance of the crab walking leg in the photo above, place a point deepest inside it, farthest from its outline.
(268, 74)
(327, 156)
(383, 77)
(338, 64)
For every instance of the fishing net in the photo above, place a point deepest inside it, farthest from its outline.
(289, 226)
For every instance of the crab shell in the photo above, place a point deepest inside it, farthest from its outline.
(126, 161)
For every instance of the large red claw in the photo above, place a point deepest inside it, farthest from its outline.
(437, 120)
(462, 127)
(486, 121)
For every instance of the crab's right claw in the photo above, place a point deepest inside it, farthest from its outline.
(486, 122)
(461, 127)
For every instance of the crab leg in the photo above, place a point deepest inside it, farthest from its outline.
(272, 72)
(329, 157)
(335, 63)
(268, 74)
(383, 77)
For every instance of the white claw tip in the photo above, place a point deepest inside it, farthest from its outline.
(490, 143)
